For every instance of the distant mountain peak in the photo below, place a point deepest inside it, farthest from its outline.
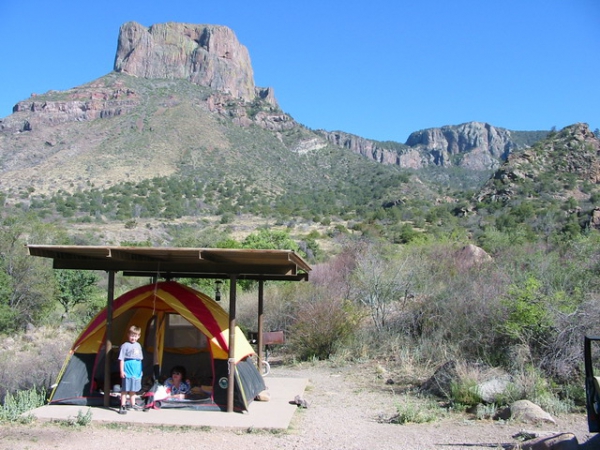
(206, 55)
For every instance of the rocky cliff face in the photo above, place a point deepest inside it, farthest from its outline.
(207, 55)
(362, 146)
(473, 145)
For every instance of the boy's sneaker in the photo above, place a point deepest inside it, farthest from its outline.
(137, 407)
(122, 410)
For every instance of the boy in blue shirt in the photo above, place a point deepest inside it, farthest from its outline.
(130, 366)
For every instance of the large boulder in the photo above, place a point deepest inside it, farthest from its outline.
(529, 412)
(470, 255)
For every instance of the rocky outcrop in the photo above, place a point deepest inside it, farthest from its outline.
(471, 256)
(362, 146)
(529, 412)
(490, 383)
(472, 145)
(95, 101)
(207, 55)
(572, 152)
(259, 112)
(551, 441)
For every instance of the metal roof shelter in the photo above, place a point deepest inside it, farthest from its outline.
(170, 263)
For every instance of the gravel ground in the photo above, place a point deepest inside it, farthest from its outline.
(347, 408)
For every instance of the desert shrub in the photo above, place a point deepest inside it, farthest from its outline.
(321, 326)
(13, 406)
(8, 318)
(415, 411)
(81, 314)
(25, 296)
(465, 392)
(82, 419)
(528, 318)
(563, 358)
(533, 294)
(74, 287)
(281, 301)
(532, 384)
(454, 305)
(273, 239)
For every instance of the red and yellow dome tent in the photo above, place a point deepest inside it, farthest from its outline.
(180, 326)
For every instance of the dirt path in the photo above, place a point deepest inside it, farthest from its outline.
(345, 405)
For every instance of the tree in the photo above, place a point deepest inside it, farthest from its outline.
(380, 283)
(74, 287)
(270, 239)
(529, 320)
(24, 293)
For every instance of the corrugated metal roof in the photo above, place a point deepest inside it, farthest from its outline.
(171, 262)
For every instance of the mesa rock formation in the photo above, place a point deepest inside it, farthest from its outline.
(207, 55)
(95, 101)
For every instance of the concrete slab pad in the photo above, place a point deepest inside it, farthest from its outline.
(274, 414)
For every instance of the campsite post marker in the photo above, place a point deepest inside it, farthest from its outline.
(231, 360)
(107, 341)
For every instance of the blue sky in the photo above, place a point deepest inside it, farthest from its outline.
(380, 69)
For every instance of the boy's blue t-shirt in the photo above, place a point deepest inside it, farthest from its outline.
(131, 354)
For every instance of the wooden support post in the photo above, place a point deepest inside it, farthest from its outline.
(108, 342)
(232, 325)
(260, 343)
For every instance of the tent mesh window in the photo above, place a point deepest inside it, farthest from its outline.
(181, 334)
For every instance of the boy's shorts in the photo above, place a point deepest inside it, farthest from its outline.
(131, 384)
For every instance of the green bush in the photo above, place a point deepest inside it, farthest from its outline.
(465, 392)
(82, 419)
(414, 411)
(14, 406)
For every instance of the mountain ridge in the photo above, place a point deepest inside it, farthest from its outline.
(177, 93)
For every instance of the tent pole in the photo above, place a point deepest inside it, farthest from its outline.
(155, 365)
(108, 342)
(231, 361)
(261, 352)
